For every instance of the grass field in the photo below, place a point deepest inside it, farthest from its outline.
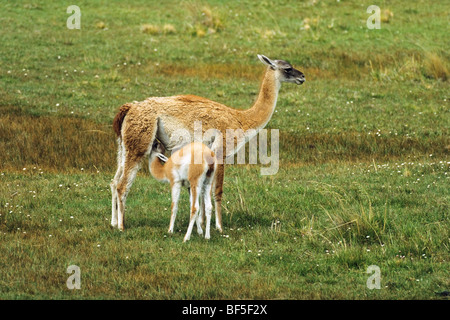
(364, 150)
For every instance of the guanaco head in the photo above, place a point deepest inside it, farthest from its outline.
(286, 73)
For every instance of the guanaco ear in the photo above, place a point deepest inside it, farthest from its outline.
(267, 61)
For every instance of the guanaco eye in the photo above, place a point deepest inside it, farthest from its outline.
(287, 70)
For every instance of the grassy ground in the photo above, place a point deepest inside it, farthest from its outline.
(305, 233)
(364, 150)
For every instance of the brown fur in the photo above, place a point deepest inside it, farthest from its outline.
(164, 171)
(118, 119)
(191, 98)
(182, 111)
(157, 170)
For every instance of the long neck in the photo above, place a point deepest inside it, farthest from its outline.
(157, 168)
(260, 113)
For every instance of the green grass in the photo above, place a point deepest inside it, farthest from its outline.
(364, 150)
(286, 237)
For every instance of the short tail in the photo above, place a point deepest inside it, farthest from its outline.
(118, 119)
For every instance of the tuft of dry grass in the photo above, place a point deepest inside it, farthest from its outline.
(386, 15)
(210, 19)
(409, 66)
(150, 29)
(351, 216)
(204, 20)
(436, 67)
(169, 29)
(157, 30)
(100, 25)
